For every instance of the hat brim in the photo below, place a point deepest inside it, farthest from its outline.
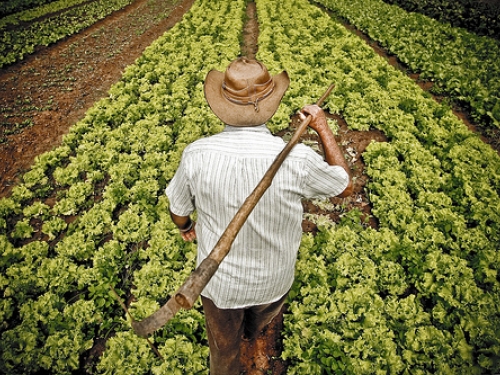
(243, 115)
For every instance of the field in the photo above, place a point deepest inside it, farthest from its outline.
(50, 90)
(400, 278)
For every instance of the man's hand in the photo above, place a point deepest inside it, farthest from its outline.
(186, 226)
(190, 233)
(333, 153)
(318, 121)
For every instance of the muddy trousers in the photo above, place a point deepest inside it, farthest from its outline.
(227, 327)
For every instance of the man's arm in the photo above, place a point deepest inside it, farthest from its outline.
(186, 226)
(333, 153)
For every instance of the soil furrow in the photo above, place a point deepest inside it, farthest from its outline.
(43, 95)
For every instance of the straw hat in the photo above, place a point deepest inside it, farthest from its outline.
(246, 94)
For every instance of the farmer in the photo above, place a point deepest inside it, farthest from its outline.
(215, 176)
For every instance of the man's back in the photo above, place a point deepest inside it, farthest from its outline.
(221, 171)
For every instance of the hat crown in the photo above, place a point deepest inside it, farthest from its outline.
(244, 72)
(246, 82)
(245, 94)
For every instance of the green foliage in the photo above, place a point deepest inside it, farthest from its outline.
(418, 295)
(411, 296)
(53, 227)
(126, 353)
(463, 65)
(481, 17)
(92, 214)
(70, 18)
(22, 230)
(52, 335)
(18, 5)
(27, 10)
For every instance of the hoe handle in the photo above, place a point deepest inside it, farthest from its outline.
(187, 294)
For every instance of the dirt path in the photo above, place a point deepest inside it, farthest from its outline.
(52, 89)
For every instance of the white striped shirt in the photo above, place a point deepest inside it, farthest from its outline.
(216, 175)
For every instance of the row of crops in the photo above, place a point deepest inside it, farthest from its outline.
(15, 6)
(481, 17)
(49, 23)
(419, 295)
(462, 65)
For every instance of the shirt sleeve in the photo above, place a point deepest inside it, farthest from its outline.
(179, 191)
(323, 180)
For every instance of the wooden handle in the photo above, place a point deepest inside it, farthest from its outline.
(187, 294)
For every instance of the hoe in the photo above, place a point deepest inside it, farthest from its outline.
(187, 294)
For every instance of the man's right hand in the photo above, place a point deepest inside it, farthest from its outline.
(318, 121)
(333, 153)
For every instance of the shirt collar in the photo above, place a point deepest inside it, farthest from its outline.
(255, 129)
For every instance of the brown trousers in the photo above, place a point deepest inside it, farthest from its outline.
(227, 327)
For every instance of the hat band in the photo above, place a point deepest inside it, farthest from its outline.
(255, 92)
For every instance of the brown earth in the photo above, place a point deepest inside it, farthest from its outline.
(42, 96)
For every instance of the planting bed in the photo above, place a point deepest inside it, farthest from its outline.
(43, 95)
(51, 90)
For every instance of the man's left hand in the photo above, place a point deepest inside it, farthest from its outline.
(190, 234)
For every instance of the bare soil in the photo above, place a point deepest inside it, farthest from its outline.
(42, 96)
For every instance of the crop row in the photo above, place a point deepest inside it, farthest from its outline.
(15, 6)
(34, 13)
(92, 214)
(420, 295)
(480, 17)
(15, 44)
(462, 64)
